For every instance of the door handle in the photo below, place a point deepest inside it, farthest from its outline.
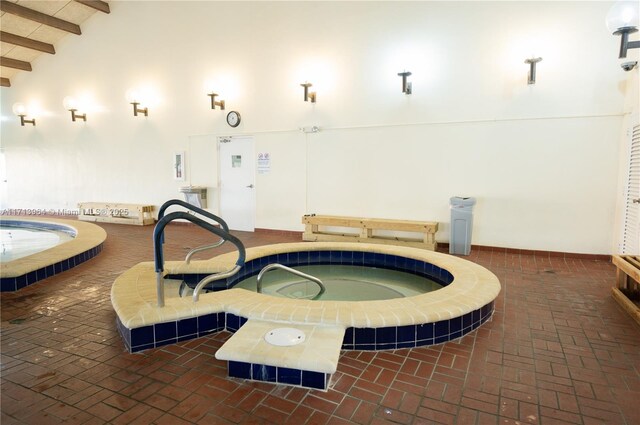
(250, 186)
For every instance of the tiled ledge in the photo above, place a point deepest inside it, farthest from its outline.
(25, 271)
(473, 287)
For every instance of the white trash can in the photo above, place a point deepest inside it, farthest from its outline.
(461, 224)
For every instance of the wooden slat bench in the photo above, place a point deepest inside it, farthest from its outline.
(108, 212)
(365, 230)
(627, 291)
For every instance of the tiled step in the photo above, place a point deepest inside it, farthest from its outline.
(308, 364)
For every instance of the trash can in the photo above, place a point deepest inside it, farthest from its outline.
(195, 195)
(461, 224)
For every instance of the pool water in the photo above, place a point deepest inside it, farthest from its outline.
(21, 242)
(342, 283)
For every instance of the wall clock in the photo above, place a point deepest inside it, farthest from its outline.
(233, 118)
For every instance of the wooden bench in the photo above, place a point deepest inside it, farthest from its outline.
(107, 212)
(627, 289)
(365, 230)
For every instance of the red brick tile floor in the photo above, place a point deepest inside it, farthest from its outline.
(558, 350)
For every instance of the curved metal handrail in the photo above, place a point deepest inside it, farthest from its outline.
(212, 278)
(158, 233)
(191, 207)
(200, 211)
(202, 248)
(279, 266)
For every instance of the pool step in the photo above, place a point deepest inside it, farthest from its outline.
(308, 364)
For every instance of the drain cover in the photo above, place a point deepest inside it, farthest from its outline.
(284, 337)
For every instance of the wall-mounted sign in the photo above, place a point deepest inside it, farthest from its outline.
(264, 162)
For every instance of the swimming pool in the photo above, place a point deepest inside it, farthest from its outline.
(18, 240)
(25, 270)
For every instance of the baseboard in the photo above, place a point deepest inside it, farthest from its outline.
(444, 247)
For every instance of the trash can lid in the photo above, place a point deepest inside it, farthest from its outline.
(462, 201)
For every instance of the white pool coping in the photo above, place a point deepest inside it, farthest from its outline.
(133, 294)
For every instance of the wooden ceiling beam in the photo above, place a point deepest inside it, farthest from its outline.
(99, 5)
(4, 82)
(42, 18)
(15, 64)
(29, 43)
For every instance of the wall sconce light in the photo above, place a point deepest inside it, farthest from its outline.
(623, 19)
(71, 105)
(308, 96)
(134, 98)
(214, 103)
(406, 86)
(20, 110)
(137, 110)
(532, 69)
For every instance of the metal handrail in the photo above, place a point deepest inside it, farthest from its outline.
(212, 278)
(202, 248)
(292, 271)
(191, 207)
(200, 211)
(158, 236)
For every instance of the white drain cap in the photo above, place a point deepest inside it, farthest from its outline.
(284, 337)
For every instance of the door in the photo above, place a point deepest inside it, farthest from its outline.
(631, 225)
(236, 162)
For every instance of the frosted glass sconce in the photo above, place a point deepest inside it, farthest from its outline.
(71, 105)
(532, 69)
(215, 103)
(308, 96)
(20, 110)
(406, 86)
(623, 19)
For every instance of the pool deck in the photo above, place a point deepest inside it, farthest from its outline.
(27, 270)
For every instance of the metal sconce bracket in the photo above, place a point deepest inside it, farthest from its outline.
(308, 96)
(532, 69)
(214, 103)
(23, 121)
(406, 86)
(75, 116)
(137, 110)
(625, 44)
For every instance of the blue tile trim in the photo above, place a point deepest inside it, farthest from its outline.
(9, 284)
(384, 338)
(356, 258)
(393, 337)
(369, 339)
(279, 375)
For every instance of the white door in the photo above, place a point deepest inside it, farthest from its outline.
(631, 225)
(236, 162)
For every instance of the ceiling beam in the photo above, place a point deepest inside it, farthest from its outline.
(4, 82)
(39, 17)
(99, 5)
(15, 63)
(29, 43)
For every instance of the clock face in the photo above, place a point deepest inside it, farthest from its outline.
(233, 119)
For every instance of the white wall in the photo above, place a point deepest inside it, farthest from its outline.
(543, 159)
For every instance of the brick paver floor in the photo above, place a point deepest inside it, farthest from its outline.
(558, 350)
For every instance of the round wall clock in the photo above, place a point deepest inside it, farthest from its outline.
(233, 118)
